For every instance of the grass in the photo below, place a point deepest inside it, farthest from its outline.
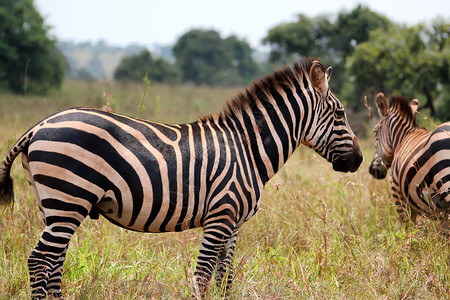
(318, 234)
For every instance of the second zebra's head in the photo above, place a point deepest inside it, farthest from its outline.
(398, 112)
(330, 134)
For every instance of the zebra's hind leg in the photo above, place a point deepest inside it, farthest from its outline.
(46, 261)
(224, 272)
(54, 281)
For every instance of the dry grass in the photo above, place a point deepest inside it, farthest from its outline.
(318, 234)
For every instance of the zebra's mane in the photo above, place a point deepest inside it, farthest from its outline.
(262, 88)
(402, 105)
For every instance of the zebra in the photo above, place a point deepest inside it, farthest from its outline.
(419, 160)
(154, 177)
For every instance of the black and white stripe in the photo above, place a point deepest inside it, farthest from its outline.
(154, 177)
(419, 160)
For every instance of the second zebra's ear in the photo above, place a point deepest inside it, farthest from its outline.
(328, 72)
(319, 78)
(382, 104)
(414, 103)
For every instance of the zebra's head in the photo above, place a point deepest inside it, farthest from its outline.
(399, 113)
(330, 134)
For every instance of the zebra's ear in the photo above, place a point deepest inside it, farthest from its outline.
(382, 104)
(318, 77)
(328, 72)
(414, 103)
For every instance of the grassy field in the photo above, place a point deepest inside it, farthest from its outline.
(318, 234)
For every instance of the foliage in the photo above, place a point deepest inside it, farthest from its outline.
(204, 57)
(332, 41)
(413, 61)
(135, 67)
(29, 58)
(321, 36)
(305, 37)
(353, 28)
(372, 54)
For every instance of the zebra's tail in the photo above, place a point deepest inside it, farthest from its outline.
(6, 185)
(6, 181)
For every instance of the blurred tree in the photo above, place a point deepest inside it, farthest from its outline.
(243, 61)
(353, 28)
(413, 61)
(29, 59)
(135, 67)
(320, 37)
(204, 57)
(305, 37)
(438, 34)
(199, 55)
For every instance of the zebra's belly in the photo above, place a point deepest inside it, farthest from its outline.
(149, 218)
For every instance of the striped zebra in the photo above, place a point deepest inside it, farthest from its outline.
(154, 177)
(419, 160)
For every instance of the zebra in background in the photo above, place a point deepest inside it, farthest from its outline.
(420, 160)
(154, 177)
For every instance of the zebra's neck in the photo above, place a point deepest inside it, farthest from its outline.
(403, 133)
(408, 135)
(268, 127)
(271, 117)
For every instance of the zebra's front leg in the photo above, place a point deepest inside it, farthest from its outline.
(215, 238)
(405, 214)
(224, 273)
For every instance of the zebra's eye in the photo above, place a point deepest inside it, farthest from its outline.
(340, 113)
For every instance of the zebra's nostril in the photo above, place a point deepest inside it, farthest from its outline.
(340, 165)
(377, 171)
(348, 163)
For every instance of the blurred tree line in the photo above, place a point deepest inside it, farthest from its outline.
(135, 67)
(202, 57)
(369, 53)
(29, 58)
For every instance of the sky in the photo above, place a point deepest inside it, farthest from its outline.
(162, 22)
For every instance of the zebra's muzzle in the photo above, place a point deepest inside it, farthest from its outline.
(348, 162)
(378, 168)
(379, 172)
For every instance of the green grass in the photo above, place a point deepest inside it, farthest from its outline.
(318, 234)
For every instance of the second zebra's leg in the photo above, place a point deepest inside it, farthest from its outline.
(224, 272)
(215, 237)
(444, 224)
(405, 213)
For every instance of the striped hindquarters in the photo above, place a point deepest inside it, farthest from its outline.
(421, 172)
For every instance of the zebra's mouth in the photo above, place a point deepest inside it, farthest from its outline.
(348, 162)
(341, 165)
(379, 172)
(378, 168)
